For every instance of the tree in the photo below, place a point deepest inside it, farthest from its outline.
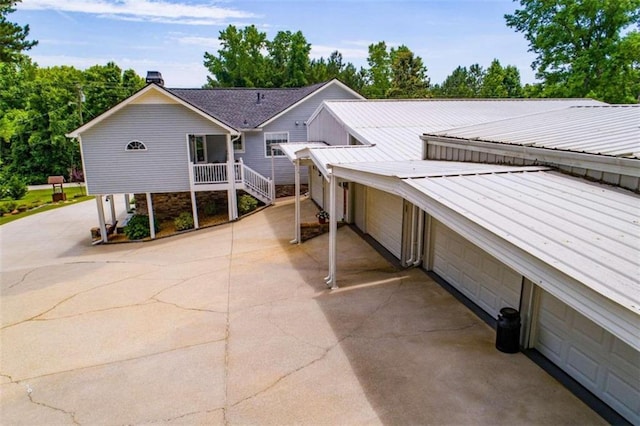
(583, 47)
(379, 73)
(493, 82)
(456, 85)
(13, 38)
(240, 61)
(408, 75)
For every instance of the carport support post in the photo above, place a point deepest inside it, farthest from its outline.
(297, 237)
(231, 180)
(152, 221)
(333, 231)
(101, 221)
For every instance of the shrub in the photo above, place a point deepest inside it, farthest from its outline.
(138, 227)
(11, 205)
(184, 221)
(211, 209)
(15, 187)
(4, 209)
(246, 204)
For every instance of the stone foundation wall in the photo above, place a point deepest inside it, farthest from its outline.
(168, 206)
(290, 190)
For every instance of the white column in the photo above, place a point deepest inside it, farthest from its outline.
(194, 209)
(297, 235)
(101, 221)
(333, 231)
(127, 203)
(112, 201)
(152, 228)
(231, 179)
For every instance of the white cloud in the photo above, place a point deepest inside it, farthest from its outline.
(211, 43)
(159, 11)
(348, 54)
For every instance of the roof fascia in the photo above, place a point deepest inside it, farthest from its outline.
(315, 92)
(132, 98)
(604, 163)
(617, 319)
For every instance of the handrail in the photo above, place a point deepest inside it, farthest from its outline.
(213, 173)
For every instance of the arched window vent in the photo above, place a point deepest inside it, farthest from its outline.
(136, 146)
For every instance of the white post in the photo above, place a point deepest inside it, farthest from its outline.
(333, 231)
(101, 221)
(194, 209)
(112, 201)
(231, 180)
(127, 203)
(297, 234)
(152, 228)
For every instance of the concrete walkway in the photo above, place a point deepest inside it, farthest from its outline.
(233, 325)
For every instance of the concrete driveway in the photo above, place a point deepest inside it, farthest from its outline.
(233, 325)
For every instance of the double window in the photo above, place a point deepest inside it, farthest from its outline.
(275, 138)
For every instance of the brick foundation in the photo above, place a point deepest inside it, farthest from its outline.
(168, 206)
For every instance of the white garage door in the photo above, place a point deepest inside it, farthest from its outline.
(594, 357)
(476, 274)
(384, 219)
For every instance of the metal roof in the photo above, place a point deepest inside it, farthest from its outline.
(586, 231)
(291, 149)
(394, 127)
(612, 130)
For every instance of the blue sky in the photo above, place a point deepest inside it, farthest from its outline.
(171, 36)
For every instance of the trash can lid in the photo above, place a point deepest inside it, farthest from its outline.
(509, 313)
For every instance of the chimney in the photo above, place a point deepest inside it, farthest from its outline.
(155, 77)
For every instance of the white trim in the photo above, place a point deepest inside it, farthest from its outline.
(320, 89)
(77, 132)
(243, 150)
(193, 149)
(266, 155)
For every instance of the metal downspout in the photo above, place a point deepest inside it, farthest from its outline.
(297, 237)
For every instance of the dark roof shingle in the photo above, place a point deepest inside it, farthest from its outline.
(239, 107)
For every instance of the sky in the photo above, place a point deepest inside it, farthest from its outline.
(171, 36)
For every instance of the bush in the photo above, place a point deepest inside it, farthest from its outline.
(211, 209)
(15, 188)
(184, 221)
(246, 204)
(4, 209)
(138, 227)
(11, 205)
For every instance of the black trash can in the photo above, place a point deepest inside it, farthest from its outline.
(508, 331)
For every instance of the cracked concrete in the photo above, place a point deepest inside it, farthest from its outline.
(233, 325)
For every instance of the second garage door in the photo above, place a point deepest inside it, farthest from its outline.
(476, 274)
(602, 363)
(384, 219)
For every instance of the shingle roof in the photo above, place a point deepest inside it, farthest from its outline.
(239, 107)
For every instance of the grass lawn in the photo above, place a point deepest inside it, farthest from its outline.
(40, 200)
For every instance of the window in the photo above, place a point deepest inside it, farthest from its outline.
(136, 146)
(198, 146)
(273, 138)
(238, 145)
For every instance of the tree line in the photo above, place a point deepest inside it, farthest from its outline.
(584, 48)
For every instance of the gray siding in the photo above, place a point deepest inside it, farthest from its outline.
(254, 155)
(325, 128)
(163, 167)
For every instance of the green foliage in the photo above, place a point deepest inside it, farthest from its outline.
(13, 38)
(379, 72)
(211, 208)
(408, 75)
(14, 188)
(4, 209)
(10, 205)
(138, 227)
(246, 204)
(583, 47)
(475, 82)
(184, 221)
(38, 106)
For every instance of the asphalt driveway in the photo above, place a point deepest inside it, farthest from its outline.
(233, 325)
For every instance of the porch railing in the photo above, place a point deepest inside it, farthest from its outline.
(256, 184)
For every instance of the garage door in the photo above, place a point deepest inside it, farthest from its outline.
(594, 357)
(384, 219)
(476, 274)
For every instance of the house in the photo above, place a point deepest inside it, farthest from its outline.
(178, 148)
(538, 212)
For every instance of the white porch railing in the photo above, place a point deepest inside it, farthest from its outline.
(247, 178)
